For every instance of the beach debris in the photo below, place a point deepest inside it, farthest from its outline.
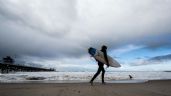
(130, 77)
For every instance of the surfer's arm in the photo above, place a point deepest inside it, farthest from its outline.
(105, 55)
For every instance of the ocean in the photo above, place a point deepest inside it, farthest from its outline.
(60, 77)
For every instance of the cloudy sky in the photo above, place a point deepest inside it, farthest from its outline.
(57, 33)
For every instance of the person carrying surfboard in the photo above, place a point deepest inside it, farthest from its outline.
(101, 65)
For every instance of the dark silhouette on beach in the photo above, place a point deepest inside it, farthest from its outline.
(130, 77)
(101, 66)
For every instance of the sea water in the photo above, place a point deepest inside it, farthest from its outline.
(59, 77)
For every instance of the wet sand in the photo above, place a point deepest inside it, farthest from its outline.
(150, 88)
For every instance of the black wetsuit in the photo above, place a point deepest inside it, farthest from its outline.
(101, 68)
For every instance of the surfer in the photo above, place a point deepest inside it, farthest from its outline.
(101, 66)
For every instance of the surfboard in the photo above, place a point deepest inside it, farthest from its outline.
(99, 56)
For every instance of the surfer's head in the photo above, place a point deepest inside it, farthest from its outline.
(104, 47)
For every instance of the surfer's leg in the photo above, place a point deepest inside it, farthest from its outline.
(103, 72)
(95, 75)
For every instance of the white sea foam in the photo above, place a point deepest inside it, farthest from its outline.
(82, 76)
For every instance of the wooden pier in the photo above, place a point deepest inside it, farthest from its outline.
(6, 68)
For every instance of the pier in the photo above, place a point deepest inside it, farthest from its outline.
(6, 68)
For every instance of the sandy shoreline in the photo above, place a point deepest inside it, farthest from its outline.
(150, 88)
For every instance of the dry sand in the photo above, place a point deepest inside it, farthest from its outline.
(150, 88)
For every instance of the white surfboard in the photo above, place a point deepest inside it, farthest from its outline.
(99, 56)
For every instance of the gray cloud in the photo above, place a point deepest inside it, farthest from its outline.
(28, 26)
(161, 58)
(66, 28)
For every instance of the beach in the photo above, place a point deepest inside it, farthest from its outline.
(149, 88)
